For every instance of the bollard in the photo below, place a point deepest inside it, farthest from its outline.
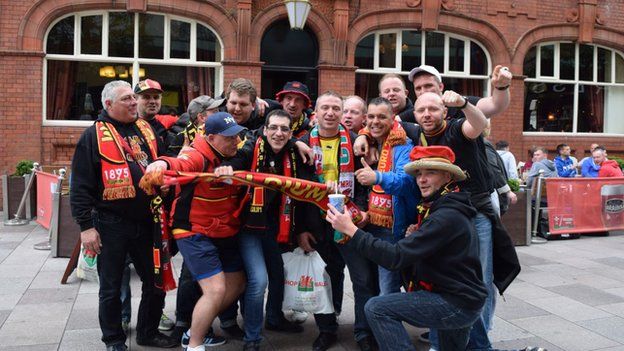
(536, 214)
(16, 220)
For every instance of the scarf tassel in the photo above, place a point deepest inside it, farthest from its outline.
(380, 220)
(125, 192)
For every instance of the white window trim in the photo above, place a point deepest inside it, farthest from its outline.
(134, 61)
(576, 82)
(399, 39)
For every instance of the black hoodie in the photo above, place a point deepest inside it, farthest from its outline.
(443, 252)
(86, 179)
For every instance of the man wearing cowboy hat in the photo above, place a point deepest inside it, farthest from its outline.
(439, 258)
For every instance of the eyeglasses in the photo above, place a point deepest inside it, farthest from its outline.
(274, 128)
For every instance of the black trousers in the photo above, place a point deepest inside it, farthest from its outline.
(121, 237)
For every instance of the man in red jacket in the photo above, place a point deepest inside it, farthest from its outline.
(205, 221)
(608, 168)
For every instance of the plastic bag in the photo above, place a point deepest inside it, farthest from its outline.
(306, 283)
(87, 265)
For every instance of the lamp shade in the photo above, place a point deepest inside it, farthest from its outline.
(107, 72)
(297, 12)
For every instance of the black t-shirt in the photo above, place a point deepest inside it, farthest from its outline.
(469, 156)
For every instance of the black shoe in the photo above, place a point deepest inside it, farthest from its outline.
(178, 331)
(117, 347)
(367, 344)
(284, 326)
(252, 346)
(324, 341)
(159, 340)
(234, 332)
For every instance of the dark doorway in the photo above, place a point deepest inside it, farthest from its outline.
(288, 55)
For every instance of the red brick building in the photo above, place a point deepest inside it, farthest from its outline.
(56, 55)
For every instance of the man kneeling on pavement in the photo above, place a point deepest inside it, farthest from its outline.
(439, 259)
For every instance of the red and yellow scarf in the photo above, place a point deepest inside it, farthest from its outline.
(346, 182)
(113, 147)
(380, 203)
(256, 193)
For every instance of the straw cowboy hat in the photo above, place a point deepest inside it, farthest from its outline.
(434, 157)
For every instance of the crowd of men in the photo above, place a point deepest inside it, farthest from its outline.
(429, 250)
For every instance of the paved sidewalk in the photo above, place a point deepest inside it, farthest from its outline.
(569, 296)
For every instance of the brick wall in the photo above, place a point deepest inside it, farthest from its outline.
(507, 28)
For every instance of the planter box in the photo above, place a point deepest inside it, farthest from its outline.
(12, 192)
(517, 220)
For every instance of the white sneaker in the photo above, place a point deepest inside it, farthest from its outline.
(196, 348)
(299, 316)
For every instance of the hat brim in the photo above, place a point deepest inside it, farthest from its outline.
(279, 96)
(215, 104)
(412, 167)
(232, 130)
(159, 91)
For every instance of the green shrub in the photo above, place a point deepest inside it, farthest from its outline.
(23, 167)
(514, 184)
(618, 160)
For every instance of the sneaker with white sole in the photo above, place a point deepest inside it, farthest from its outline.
(165, 324)
(209, 341)
(299, 316)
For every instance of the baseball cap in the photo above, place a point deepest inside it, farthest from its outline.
(222, 123)
(203, 103)
(427, 69)
(295, 87)
(146, 85)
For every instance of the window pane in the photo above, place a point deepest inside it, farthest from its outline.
(411, 50)
(434, 45)
(151, 36)
(367, 85)
(548, 107)
(478, 60)
(91, 35)
(121, 34)
(61, 37)
(604, 65)
(387, 50)
(567, 61)
(181, 85)
(547, 60)
(529, 63)
(180, 39)
(208, 48)
(619, 68)
(614, 105)
(586, 64)
(364, 52)
(456, 55)
(591, 105)
(74, 88)
(471, 87)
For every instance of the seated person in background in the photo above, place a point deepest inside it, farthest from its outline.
(566, 164)
(606, 167)
(541, 162)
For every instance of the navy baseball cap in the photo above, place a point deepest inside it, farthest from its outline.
(222, 123)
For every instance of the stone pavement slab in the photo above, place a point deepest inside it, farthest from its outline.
(569, 296)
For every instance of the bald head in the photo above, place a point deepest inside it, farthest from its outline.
(429, 112)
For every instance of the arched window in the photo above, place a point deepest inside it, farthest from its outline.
(573, 88)
(463, 63)
(86, 50)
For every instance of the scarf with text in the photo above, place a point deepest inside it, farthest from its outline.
(380, 203)
(114, 149)
(346, 183)
(257, 217)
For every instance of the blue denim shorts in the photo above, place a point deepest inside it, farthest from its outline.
(206, 256)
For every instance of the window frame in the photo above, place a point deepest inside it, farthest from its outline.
(577, 82)
(135, 61)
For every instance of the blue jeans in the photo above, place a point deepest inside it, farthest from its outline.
(422, 309)
(389, 281)
(264, 266)
(479, 339)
